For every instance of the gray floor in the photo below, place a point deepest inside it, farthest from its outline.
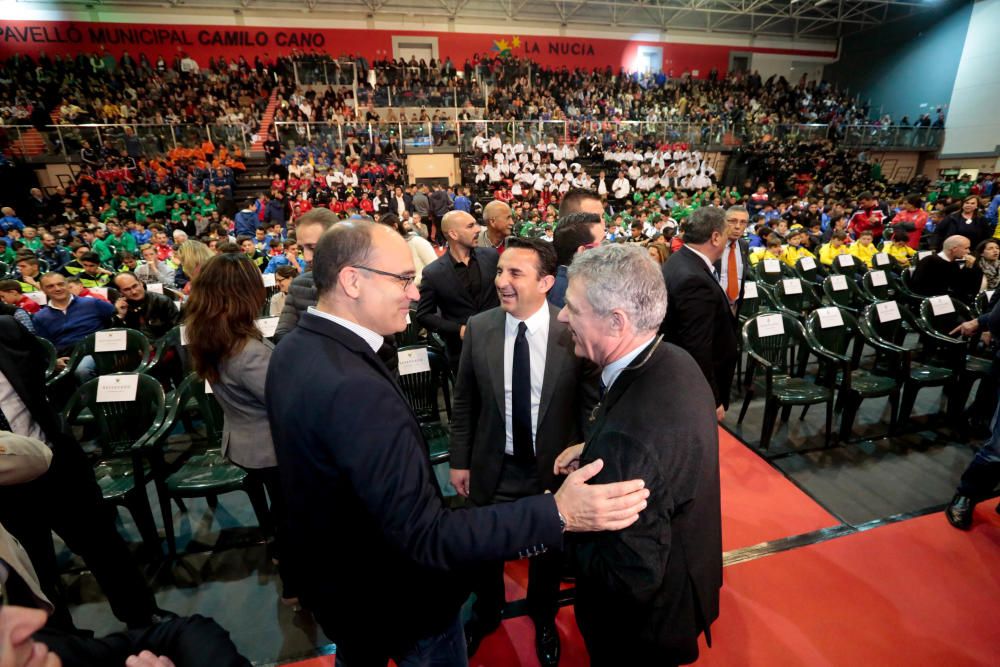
(237, 585)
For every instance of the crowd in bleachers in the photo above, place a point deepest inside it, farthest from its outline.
(100, 88)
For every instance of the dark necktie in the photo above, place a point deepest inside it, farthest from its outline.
(4, 424)
(520, 399)
(602, 389)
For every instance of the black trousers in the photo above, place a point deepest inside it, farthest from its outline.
(194, 641)
(519, 480)
(287, 570)
(66, 500)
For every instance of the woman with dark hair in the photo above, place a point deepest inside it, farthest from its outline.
(988, 259)
(968, 221)
(229, 352)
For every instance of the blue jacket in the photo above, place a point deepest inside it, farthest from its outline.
(246, 223)
(462, 203)
(281, 260)
(83, 316)
(557, 295)
(9, 222)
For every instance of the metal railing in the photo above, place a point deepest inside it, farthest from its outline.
(459, 134)
(66, 141)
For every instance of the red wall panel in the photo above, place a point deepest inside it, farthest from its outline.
(204, 41)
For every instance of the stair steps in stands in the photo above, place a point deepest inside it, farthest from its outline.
(265, 124)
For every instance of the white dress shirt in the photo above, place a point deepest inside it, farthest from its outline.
(17, 414)
(538, 340)
(373, 339)
(704, 258)
(611, 372)
(724, 272)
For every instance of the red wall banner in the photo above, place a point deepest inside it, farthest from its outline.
(204, 41)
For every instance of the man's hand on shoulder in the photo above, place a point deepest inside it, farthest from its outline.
(590, 507)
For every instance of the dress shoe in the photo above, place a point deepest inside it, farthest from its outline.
(959, 512)
(475, 632)
(547, 644)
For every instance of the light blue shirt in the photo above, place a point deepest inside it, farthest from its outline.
(611, 372)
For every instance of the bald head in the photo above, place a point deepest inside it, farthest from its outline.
(454, 219)
(499, 219)
(956, 246)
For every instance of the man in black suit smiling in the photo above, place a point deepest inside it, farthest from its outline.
(699, 317)
(458, 284)
(520, 399)
(383, 561)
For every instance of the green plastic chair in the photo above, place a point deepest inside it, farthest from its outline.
(983, 300)
(839, 290)
(783, 387)
(852, 270)
(413, 334)
(794, 297)
(810, 270)
(135, 358)
(943, 318)
(50, 350)
(205, 473)
(125, 428)
(894, 356)
(904, 289)
(421, 391)
(762, 275)
(842, 344)
(878, 285)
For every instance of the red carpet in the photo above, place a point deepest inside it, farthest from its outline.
(913, 593)
(759, 504)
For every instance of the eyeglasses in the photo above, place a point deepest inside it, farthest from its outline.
(404, 281)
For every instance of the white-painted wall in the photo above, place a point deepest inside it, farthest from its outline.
(973, 120)
(790, 67)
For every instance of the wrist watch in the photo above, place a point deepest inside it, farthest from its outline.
(562, 522)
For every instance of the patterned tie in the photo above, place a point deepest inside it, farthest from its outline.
(520, 397)
(732, 280)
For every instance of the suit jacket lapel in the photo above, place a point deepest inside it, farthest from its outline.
(554, 360)
(624, 379)
(494, 356)
(486, 281)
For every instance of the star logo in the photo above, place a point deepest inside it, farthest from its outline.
(504, 47)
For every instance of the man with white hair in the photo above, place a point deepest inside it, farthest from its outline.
(179, 236)
(645, 594)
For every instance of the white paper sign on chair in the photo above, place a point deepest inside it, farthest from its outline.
(267, 326)
(155, 288)
(838, 283)
(922, 254)
(184, 334)
(845, 260)
(269, 279)
(830, 317)
(110, 341)
(750, 291)
(770, 325)
(942, 305)
(117, 388)
(414, 361)
(792, 286)
(808, 263)
(888, 311)
(882, 259)
(38, 297)
(879, 278)
(772, 266)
